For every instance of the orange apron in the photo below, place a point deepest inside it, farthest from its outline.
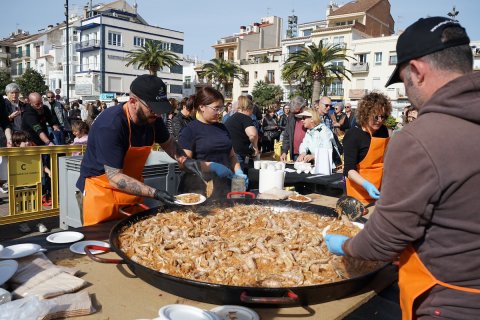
(414, 279)
(371, 169)
(101, 200)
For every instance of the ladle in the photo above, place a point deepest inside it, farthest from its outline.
(352, 208)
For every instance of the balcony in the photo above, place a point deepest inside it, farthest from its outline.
(357, 93)
(359, 67)
(88, 45)
(335, 92)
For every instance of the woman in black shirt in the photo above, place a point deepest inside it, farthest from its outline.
(364, 148)
(208, 140)
(243, 133)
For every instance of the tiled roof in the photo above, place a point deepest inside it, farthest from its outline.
(355, 6)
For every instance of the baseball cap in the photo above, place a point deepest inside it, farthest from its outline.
(153, 91)
(422, 38)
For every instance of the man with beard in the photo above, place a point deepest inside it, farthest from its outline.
(428, 212)
(119, 143)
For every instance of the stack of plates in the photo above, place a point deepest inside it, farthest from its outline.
(182, 311)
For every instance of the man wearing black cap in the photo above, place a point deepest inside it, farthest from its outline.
(119, 143)
(429, 213)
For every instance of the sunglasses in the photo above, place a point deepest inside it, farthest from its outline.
(303, 118)
(49, 97)
(327, 105)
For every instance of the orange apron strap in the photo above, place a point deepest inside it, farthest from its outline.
(370, 168)
(414, 279)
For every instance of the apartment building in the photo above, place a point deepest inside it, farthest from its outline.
(106, 38)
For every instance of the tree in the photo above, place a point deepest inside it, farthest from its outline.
(222, 72)
(265, 94)
(315, 63)
(31, 81)
(5, 79)
(152, 57)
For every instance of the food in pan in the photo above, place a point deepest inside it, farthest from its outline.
(299, 198)
(242, 245)
(188, 198)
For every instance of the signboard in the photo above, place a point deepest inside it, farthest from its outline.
(57, 91)
(107, 96)
(25, 170)
(83, 89)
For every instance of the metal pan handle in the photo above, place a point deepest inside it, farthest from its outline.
(123, 211)
(290, 298)
(242, 193)
(98, 259)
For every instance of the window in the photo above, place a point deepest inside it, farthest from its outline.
(378, 58)
(19, 52)
(339, 41)
(362, 58)
(324, 41)
(338, 63)
(220, 54)
(188, 82)
(177, 48)
(138, 41)
(115, 39)
(177, 69)
(255, 74)
(376, 84)
(270, 76)
(27, 50)
(293, 49)
(175, 88)
(392, 59)
(307, 33)
(246, 80)
(335, 89)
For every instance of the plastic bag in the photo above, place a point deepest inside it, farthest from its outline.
(30, 308)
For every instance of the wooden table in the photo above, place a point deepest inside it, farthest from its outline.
(119, 294)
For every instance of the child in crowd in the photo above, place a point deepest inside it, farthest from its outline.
(80, 131)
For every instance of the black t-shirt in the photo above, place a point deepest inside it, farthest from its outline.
(356, 144)
(35, 123)
(236, 125)
(208, 142)
(108, 141)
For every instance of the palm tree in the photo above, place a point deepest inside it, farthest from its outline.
(315, 63)
(222, 72)
(152, 57)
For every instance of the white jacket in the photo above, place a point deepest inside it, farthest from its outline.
(319, 137)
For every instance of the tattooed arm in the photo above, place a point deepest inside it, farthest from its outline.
(127, 184)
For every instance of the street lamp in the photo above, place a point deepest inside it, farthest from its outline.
(67, 51)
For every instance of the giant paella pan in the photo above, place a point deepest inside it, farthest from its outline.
(240, 251)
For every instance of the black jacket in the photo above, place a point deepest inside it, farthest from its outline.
(35, 123)
(178, 122)
(287, 144)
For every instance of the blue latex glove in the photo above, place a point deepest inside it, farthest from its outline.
(220, 170)
(239, 173)
(371, 189)
(335, 243)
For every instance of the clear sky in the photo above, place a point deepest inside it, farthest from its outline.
(204, 22)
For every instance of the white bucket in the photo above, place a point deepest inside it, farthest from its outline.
(270, 178)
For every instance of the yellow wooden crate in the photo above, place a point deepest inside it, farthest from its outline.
(26, 200)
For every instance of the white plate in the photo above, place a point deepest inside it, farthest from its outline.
(79, 246)
(235, 312)
(307, 199)
(19, 250)
(65, 237)
(184, 312)
(202, 199)
(7, 270)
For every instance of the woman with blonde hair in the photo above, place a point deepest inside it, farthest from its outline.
(364, 148)
(243, 133)
(318, 135)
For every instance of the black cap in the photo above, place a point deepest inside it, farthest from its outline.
(422, 38)
(153, 92)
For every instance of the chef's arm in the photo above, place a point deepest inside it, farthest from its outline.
(354, 176)
(127, 184)
(172, 148)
